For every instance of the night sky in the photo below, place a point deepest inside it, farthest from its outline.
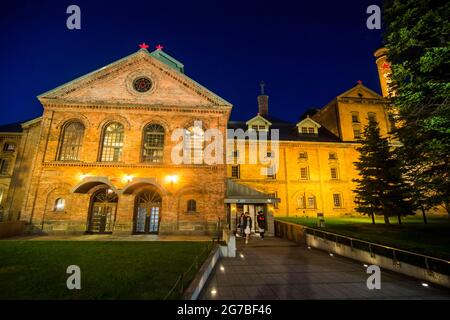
(306, 53)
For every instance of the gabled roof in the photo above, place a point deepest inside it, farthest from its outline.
(163, 61)
(360, 88)
(259, 117)
(306, 120)
(167, 59)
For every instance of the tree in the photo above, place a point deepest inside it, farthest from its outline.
(380, 187)
(418, 42)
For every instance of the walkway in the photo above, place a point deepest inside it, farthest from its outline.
(279, 269)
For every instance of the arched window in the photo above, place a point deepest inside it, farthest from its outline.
(191, 205)
(72, 138)
(60, 204)
(194, 144)
(153, 148)
(112, 142)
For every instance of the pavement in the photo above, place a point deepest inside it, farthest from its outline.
(109, 237)
(278, 269)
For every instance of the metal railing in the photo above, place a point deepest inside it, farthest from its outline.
(431, 264)
(184, 278)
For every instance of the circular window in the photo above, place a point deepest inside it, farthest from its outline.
(142, 84)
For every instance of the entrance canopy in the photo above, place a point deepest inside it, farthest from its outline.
(239, 193)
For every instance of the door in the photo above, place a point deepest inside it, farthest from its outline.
(148, 209)
(103, 211)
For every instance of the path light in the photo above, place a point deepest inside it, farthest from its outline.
(213, 292)
(222, 268)
(309, 248)
(425, 284)
(331, 254)
(242, 255)
(365, 265)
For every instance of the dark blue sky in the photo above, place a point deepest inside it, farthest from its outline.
(307, 53)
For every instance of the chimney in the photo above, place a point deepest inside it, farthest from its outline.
(263, 102)
(384, 70)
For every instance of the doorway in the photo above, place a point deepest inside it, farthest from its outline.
(147, 212)
(103, 211)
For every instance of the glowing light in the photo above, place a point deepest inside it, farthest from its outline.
(128, 178)
(172, 178)
(331, 254)
(242, 256)
(82, 176)
(143, 45)
(365, 265)
(425, 284)
(110, 191)
(222, 268)
(309, 248)
(213, 291)
(159, 47)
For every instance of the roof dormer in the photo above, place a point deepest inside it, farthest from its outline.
(308, 126)
(258, 123)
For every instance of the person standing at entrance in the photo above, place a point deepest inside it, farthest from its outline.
(247, 226)
(241, 225)
(261, 219)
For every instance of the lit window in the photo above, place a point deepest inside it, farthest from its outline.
(71, 141)
(311, 202)
(334, 173)
(303, 155)
(311, 130)
(112, 142)
(372, 117)
(304, 130)
(195, 139)
(356, 133)
(9, 147)
(153, 147)
(304, 173)
(355, 117)
(337, 200)
(332, 156)
(235, 172)
(271, 173)
(191, 205)
(4, 166)
(60, 204)
(301, 202)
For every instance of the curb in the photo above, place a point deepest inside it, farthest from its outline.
(196, 286)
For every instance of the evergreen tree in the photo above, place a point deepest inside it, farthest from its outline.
(418, 42)
(380, 187)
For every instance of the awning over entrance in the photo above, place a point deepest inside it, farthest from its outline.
(239, 193)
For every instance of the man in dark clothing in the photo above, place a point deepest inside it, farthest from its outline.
(261, 218)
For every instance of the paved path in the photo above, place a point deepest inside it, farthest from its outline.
(279, 269)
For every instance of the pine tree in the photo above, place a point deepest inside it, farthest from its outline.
(418, 41)
(380, 188)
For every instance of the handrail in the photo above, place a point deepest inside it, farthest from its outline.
(368, 242)
(180, 278)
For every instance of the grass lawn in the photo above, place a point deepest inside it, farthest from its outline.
(109, 270)
(431, 239)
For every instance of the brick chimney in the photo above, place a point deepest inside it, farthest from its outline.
(263, 102)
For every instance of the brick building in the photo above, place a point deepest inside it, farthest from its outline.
(100, 157)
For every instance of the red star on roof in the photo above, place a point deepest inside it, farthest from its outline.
(159, 47)
(359, 81)
(143, 45)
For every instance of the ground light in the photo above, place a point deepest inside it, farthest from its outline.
(425, 284)
(309, 248)
(213, 291)
(222, 268)
(365, 265)
(331, 254)
(242, 256)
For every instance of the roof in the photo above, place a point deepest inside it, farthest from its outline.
(239, 193)
(11, 127)
(168, 60)
(288, 131)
